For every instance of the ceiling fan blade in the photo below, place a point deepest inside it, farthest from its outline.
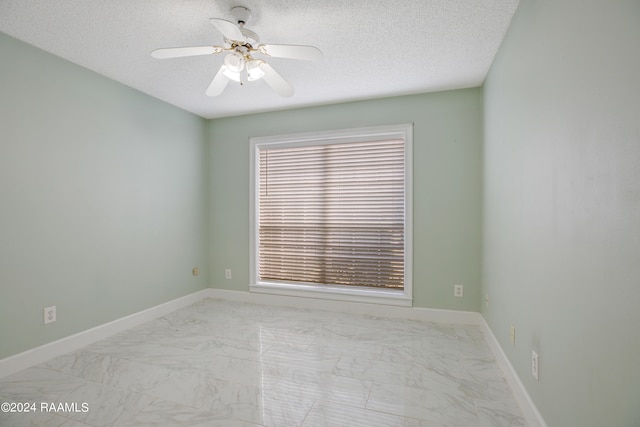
(179, 52)
(218, 84)
(228, 29)
(275, 80)
(307, 53)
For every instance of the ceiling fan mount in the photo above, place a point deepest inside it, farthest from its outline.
(242, 14)
(239, 64)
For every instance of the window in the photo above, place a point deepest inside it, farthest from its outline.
(331, 214)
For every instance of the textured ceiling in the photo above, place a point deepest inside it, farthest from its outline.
(371, 48)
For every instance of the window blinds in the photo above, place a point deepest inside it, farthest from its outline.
(332, 214)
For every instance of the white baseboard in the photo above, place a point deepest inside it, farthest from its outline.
(415, 313)
(26, 359)
(529, 409)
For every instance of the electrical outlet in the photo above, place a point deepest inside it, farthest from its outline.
(458, 291)
(535, 365)
(227, 273)
(486, 300)
(512, 335)
(195, 271)
(49, 314)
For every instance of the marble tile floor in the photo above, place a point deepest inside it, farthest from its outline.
(228, 364)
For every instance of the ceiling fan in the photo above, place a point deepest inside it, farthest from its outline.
(239, 63)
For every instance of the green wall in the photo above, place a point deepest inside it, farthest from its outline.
(103, 199)
(447, 186)
(562, 206)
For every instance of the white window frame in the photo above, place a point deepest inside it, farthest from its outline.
(342, 293)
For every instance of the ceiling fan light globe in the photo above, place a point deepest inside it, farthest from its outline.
(254, 72)
(234, 62)
(231, 75)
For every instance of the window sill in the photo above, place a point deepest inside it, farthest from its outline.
(336, 293)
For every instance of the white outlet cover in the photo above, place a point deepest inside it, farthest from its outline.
(49, 314)
(458, 291)
(535, 365)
